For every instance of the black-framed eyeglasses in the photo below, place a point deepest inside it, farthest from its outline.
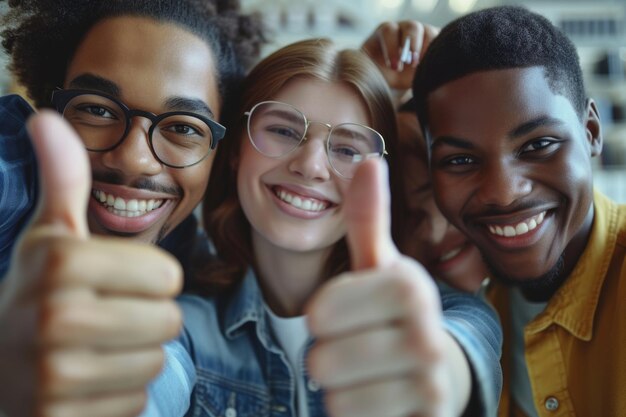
(178, 139)
(276, 129)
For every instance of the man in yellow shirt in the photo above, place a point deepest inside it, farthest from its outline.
(511, 135)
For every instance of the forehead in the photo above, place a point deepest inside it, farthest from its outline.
(495, 101)
(148, 61)
(328, 102)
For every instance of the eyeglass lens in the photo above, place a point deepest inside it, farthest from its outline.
(177, 140)
(276, 129)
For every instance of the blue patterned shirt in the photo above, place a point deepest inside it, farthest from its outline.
(18, 174)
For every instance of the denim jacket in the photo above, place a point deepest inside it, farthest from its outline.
(18, 174)
(227, 362)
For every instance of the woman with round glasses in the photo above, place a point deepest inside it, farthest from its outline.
(309, 115)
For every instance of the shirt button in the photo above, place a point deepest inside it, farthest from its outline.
(313, 386)
(230, 412)
(552, 404)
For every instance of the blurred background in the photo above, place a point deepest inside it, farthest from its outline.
(597, 27)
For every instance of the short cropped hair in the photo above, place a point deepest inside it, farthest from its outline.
(41, 36)
(496, 38)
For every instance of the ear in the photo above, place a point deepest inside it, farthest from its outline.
(593, 127)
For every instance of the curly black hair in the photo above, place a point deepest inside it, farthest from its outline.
(41, 36)
(499, 38)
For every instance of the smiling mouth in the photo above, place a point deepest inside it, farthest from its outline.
(300, 202)
(126, 208)
(450, 254)
(517, 229)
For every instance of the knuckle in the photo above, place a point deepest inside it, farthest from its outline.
(315, 362)
(388, 28)
(155, 365)
(60, 319)
(65, 373)
(57, 259)
(137, 402)
(172, 320)
(412, 26)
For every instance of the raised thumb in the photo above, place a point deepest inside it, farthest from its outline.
(64, 174)
(368, 217)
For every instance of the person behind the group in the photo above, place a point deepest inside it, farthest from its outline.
(143, 83)
(288, 211)
(511, 136)
(422, 231)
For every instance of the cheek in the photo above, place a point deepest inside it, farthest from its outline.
(193, 181)
(444, 193)
(251, 165)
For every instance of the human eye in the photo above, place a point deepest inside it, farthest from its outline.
(344, 151)
(540, 147)
(455, 164)
(95, 110)
(284, 132)
(183, 129)
(462, 160)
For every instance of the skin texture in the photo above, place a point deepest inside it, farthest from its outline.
(536, 159)
(443, 250)
(146, 80)
(305, 172)
(66, 302)
(300, 239)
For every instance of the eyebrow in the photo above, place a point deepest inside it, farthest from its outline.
(520, 130)
(103, 85)
(533, 124)
(450, 141)
(287, 115)
(97, 83)
(194, 105)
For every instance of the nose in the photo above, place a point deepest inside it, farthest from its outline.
(310, 160)
(503, 183)
(133, 157)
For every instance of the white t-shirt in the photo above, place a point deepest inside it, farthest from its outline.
(292, 335)
(522, 313)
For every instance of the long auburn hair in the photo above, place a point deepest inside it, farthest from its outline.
(223, 217)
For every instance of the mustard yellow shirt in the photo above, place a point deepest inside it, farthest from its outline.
(576, 348)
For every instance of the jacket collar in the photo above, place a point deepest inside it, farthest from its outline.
(574, 305)
(246, 306)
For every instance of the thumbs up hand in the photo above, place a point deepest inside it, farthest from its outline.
(380, 349)
(82, 318)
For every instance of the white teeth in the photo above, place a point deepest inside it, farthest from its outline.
(520, 228)
(119, 204)
(132, 205)
(449, 255)
(306, 204)
(126, 208)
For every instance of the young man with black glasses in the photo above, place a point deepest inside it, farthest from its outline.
(143, 83)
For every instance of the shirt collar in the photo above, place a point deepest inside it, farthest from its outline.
(246, 306)
(574, 305)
